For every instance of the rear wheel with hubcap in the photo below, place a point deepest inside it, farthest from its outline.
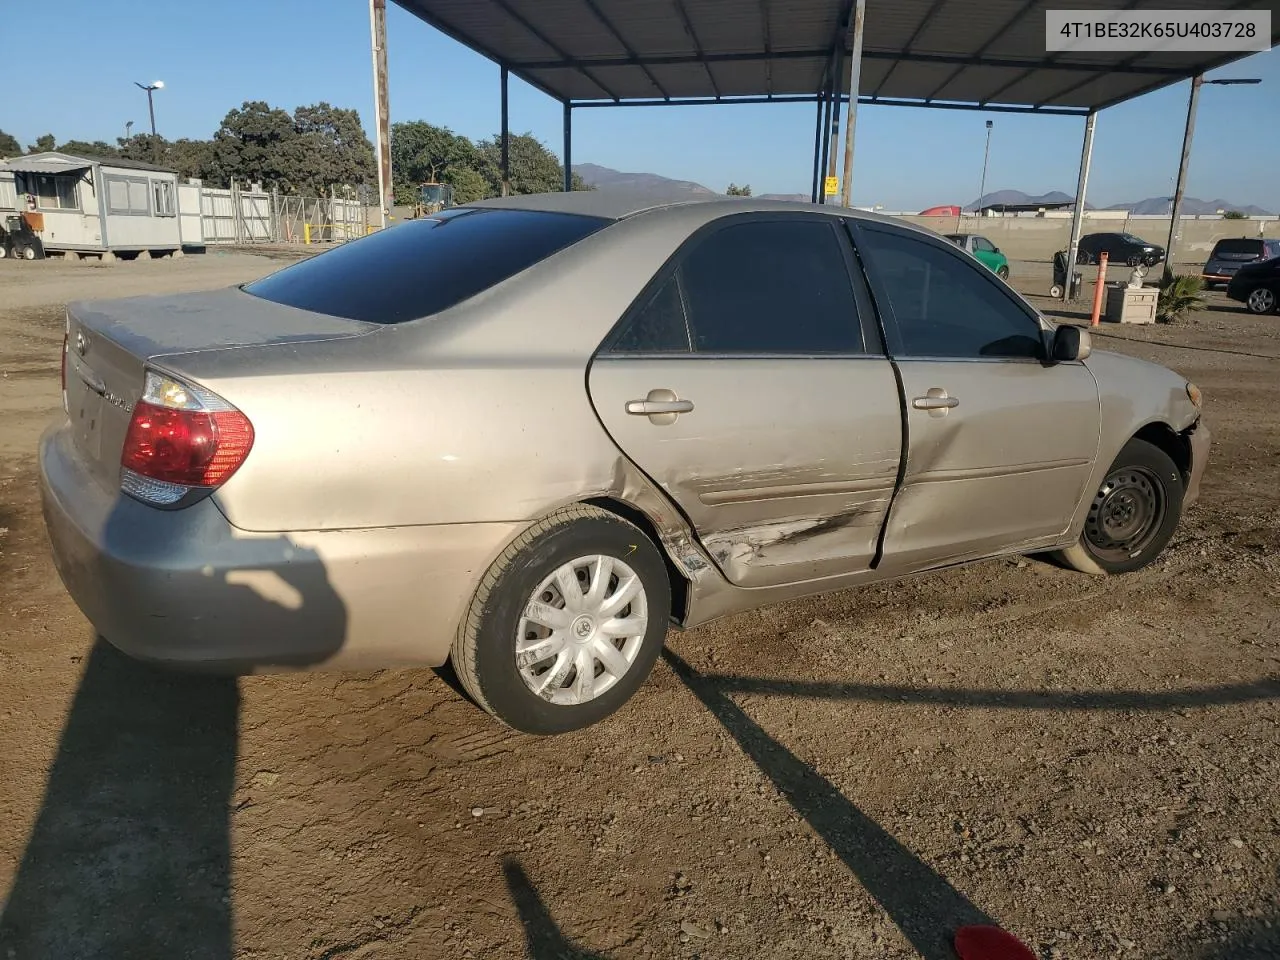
(1261, 300)
(1133, 513)
(566, 624)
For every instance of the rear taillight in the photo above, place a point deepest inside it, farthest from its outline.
(182, 438)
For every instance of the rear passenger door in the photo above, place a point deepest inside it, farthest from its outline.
(749, 382)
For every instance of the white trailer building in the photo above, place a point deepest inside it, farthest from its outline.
(95, 206)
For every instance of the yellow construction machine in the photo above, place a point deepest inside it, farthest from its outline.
(432, 198)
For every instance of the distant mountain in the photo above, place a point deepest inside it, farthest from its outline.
(1017, 196)
(643, 185)
(1163, 206)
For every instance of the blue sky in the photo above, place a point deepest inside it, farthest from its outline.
(290, 52)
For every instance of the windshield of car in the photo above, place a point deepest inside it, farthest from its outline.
(956, 238)
(1237, 248)
(421, 267)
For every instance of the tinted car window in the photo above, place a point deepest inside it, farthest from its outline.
(767, 286)
(421, 267)
(945, 306)
(771, 286)
(1237, 248)
(659, 326)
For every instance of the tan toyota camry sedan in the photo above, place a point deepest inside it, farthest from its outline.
(531, 434)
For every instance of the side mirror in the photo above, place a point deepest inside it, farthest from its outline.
(1071, 343)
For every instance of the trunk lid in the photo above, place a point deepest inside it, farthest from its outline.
(110, 342)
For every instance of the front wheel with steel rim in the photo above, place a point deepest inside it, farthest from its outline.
(1132, 515)
(1261, 300)
(566, 624)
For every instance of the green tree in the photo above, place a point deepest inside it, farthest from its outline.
(330, 149)
(43, 144)
(1234, 215)
(191, 158)
(83, 148)
(9, 145)
(468, 184)
(424, 153)
(737, 191)
(534, 168)
(252, 144)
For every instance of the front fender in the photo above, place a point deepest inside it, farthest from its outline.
(1134, 394)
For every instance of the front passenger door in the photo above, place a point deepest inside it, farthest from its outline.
(1000, 445)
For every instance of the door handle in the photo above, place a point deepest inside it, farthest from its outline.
(661, 406)
(936, 401)
(647, 408)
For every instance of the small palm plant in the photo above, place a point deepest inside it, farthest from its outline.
(1179, 296)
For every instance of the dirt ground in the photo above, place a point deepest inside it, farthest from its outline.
(1091, 764)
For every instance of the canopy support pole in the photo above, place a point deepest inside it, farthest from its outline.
(506, 138)
(817, 152)
(568, 147)
(834, 137)
(1077, 216)
(1175, 212)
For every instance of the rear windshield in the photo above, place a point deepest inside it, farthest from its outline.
(421, 267)
(1224, 248)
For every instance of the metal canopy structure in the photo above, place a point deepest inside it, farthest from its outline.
(972, 53)
(945, 54)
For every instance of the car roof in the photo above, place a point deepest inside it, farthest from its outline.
(621, 205)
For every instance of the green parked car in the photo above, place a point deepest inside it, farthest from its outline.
(984, 250)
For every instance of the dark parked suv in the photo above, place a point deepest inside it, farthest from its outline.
(1228, 256)
(1120, 248)
(1257, 286)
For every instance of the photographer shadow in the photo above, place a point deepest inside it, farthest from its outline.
(130, 853)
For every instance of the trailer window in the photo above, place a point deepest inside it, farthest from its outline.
(55, 193)
(162, 198)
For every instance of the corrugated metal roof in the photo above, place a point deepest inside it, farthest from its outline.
(971, 52)
(56, 162)
(44, 164)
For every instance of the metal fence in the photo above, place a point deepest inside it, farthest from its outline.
(238, 215)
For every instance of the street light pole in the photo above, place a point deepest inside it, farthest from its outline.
(982, 189)
(1180, 190)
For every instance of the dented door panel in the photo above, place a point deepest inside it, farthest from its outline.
(785, 467)
(1006, 465)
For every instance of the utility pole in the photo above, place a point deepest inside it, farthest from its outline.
(382, 106)
(855, 76)
(982, 188)
(1180, 190)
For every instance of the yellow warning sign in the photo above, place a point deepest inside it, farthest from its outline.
(830, 186)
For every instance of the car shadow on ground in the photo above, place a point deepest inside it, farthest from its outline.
(918, 899)
(130, 853)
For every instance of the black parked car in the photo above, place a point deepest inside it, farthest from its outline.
(1229, 255)
(1120, 248)
(1257, 286)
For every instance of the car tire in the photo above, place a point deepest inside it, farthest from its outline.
(1082, 257)
(494, 650)
(1261, 300)
(1055, 291)
(1134, 261)
(1003, 273)
(1132, 516)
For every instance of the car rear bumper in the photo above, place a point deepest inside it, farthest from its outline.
(185, 587)
(1200, 439)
